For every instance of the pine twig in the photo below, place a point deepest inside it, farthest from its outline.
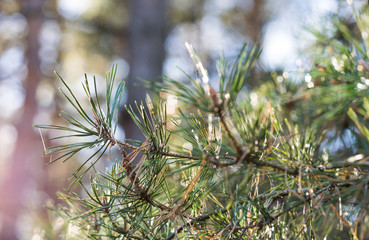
(196, 219)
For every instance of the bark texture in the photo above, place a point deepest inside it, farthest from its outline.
(147, 32)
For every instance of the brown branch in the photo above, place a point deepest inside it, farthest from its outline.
(274, 166)
(307, 198)
(106, 209)
(246, 156)
(196, 219)
(219, 112)
(134, 179)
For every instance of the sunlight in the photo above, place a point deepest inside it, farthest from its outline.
(73, 9)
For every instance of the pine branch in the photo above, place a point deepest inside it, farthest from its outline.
(242, 156)
(200, 218)
(247, 157)
(219, 112)
(307, 198)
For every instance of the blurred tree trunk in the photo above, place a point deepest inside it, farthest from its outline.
(255, 20)
(28, 149)
(147, 32)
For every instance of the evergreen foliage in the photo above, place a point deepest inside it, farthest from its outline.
(288, 160)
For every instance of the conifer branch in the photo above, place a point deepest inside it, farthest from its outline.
(246, 156)
(269, 169)
(219, 112)
(200, 218)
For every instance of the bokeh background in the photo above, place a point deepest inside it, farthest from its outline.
(145, 38)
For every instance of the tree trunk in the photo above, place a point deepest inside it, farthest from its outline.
(146, 51)
(28, 149)
(255, 20)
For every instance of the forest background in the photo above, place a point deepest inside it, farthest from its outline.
(145, 39)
